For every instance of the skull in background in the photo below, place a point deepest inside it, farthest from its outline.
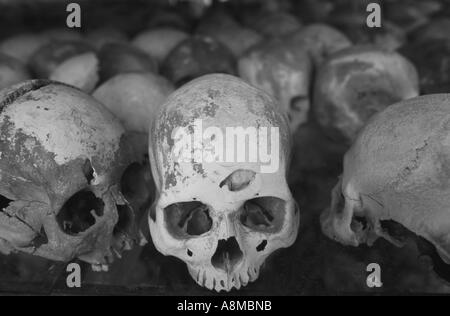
(62, 156)
(396, 171)
(357, 82)
(283, 70)
(222, 218)
(135, 98)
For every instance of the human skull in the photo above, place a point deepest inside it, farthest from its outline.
(221, 26)
(357, 82)
(105, 35)
(197, 56)
(135, 98)
(22, 46)
(12, 71)
(273, 24)
(432, 60)
(222, 218)
(80, 71)
(158, 43)
(62, 156)
(284, 71)
(397, 170)
(321, 41)
(117, 58)
(49, 56)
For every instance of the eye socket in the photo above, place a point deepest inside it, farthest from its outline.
(76, 214)
(4, 202)
(298, 103)
(187, 219)
(264, 214)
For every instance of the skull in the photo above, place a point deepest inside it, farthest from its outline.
(80, 71)
(197, 56)
(135, 99)
(411, 15)
(397, 170)
(320, 40)
(158, 43)
(222, 218)
(22, 46)
(389, 37)
(284, 71)
(273, 24)
(357, 82)
(435, 30)
(432, 60)
(117, 58)
(12, 71)
(62, 156)
(105, 35)
(49, 56)
(221, 26)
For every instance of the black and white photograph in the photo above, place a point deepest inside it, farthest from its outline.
(224, 152)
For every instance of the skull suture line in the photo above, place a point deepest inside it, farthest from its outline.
(61, 160)
(223, 219)
(397, 170)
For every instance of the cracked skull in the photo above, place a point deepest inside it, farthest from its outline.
(61, 158)
(222, 218)
(396, 171)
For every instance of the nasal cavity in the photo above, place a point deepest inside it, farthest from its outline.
(238, 180)
(227, 255)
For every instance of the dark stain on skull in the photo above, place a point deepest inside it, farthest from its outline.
(213, 93)
(171, 179)
(210, 109)
(172, 120)
(198, 167)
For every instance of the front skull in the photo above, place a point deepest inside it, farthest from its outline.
(222, 218)
(61, 161)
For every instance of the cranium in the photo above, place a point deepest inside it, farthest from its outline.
(135, 99)
(321, 40)
(117, 58)
(197, 56)
(158, 43)
(80, 71)
(62, 157)
(357, 82)
(222, 218)
(12, 71)
(397, 170)
(283, 70)
(49, 56)
(432, 60)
